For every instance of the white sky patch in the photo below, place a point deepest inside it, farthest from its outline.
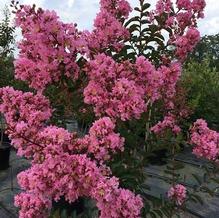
(39, 3)
(71, 3)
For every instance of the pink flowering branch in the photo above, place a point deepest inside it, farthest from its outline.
(206, 141)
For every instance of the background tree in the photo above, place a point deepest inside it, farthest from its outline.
(7, 49)
(7, 41)
(202, 84)
(208, 47)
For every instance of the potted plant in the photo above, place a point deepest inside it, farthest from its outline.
(4, 148)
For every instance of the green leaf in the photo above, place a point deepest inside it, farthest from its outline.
(144, 21)
(137, 9)
(145, 14)
(153, 28)
(55, 214)
(134, 27)
(133, 19)
(145, 6)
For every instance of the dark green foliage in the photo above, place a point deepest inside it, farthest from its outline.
(7, 40)
(6, 34)
(6, 49)
(202, 85)
(146, 38)
(90, 211)
(208, 47)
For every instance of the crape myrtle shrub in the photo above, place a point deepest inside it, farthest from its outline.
(122, 73)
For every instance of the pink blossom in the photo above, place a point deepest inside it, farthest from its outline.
(198, 5)
(102, 140)
(108, 28)
(184, 19)
(181, 22)
(164, 6)
(32, 205)
(61, 175)
(48, 50)
(169, 121)
(184, 4)
(117, 8)
(206, 141)
(177, 193)
(186, 43)
(25, 114)
(113, 89)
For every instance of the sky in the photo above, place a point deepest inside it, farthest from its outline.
(83, 12)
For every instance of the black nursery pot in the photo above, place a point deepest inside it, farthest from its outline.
(78, 206)
(4, 155)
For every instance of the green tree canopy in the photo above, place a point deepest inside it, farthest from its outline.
(208, 47)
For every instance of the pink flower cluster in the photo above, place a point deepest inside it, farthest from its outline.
(32, 206)
(170, 76)
(186, 43)
(164, 6)
(182, 22)
(169, 122)
(34, 139)
(118, 8)
(54, 141)
(206, 141)
(198, 6)
(102, 139)
(26, 114)
(184, 4)
(59, 167)
(61, 176)
(108, 29)
(195, 5)
(49, 48)
(122, 90)
(177, 193)
(113, 89)
(151, 79)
